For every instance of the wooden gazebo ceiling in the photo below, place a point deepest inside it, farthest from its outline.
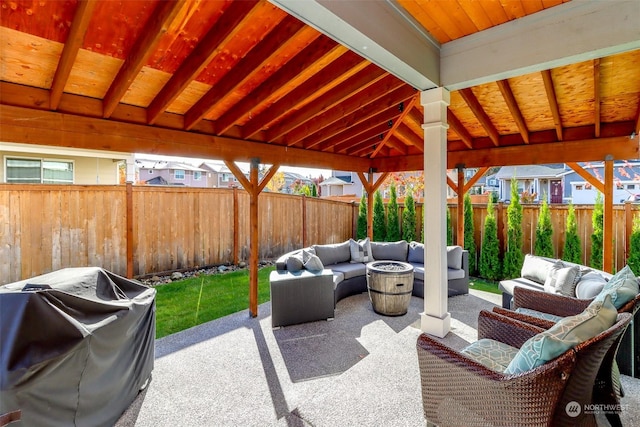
(242, 79)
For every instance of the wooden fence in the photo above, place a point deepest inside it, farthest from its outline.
(154, 229)
(143, 229)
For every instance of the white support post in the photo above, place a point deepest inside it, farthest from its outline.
(435, 320)
(130, 169)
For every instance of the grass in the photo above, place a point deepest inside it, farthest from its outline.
(484, 285)
(190, 302)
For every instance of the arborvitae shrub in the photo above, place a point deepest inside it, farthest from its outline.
(393, 223)
(409, 218)
(449, 229)
(572, 251)
(362, 218)
(544, 232)
(513, 256)
(490, 265)
(469, 233)
(634, 247)
(596, 238)
(379, 221)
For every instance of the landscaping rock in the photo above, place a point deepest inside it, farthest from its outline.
(176, 275)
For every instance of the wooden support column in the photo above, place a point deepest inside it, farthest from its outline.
(236, 226)
(607, 235)
(129, 233)
(370, 187)
(460, 213)
(254, 188)
(435, 319)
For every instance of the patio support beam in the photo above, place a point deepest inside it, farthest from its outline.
(370, 187)
(404, 110)
(254, 188)
(595, 182)
(607, 235)
(553, 101)
(435, 319)
(596, 96)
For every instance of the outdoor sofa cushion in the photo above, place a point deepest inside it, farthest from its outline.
(454, 257)
(333, 254)
(493, 354)
(566, 334)
(590, 285)
(536, 268)
(360, 250)
(391, 251)
(416, 253)
(350, 269)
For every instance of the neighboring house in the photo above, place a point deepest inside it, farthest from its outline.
(292, 179)
(536, 180)
(626, 182)
(35, 164)
(344, 184)
(172, 173)
(491, 184)
(334, 186)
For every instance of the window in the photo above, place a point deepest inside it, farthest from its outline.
(178, 174)
(197, 175)
(225, 177)
(578, 187)
(631, 187)
(36, 171)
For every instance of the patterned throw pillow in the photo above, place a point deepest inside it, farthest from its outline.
(622, 287)
(311, 261)
(360, 250)
(564, 335)
(566, 280)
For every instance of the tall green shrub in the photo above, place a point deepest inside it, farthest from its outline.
(362, 218)
(393, 222)
(449, 229)
(544, 232)
(469, 233)
(513, 256)
(572, 251)
(409, 218)
(490, 265)
(634, 246)
(379, 220)
(597, 220)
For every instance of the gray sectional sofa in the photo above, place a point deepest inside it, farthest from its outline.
(336, 271)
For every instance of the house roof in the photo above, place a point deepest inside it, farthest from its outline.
(528, 171)
(334, 181)
(167, 165)
(280, 81)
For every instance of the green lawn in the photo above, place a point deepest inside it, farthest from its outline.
(222, 294)
(484, 285)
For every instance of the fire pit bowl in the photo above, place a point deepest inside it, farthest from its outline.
(390, 284)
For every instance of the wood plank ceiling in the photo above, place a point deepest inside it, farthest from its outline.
(252, 76)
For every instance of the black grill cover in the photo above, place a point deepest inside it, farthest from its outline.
(76, 346)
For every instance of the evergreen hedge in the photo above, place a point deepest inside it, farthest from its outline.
(361, 232)
(634, 246)
(597, 220)
(379, 220)
(393, 222)
(544, 232)
(469, 233)
(490, 265)
(513, 257)
(409, 218)
(572, 251)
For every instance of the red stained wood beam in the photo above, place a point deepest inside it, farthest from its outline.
(479, 173)
(158, 24)
(408, 135)
(637, 121)
(596, 96)
(349, 61)
(253, 61)
(366, 137)
(78, 29)
(394, 126)
(227, 26)
(512, 104)
(384, 94)
(459, 128)
(335, 98)
(553, 102)
(481, 115)
(597, 184)
(307, 58)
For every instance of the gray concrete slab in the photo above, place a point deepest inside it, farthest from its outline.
(359, 369)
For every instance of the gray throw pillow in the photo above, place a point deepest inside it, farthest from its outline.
(590, 285)
(454, 257)
(360, 250)
(294, 262)
(562, 280)
(550, 282)
(311, 261)
(535, 268)
(390, 251)
(416, 253)
(333, 254)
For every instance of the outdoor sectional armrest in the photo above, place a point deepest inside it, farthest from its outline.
(545, 302)
(505, 329)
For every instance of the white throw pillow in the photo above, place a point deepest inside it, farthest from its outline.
(360, 250)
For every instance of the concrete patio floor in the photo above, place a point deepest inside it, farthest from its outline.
(360, 369)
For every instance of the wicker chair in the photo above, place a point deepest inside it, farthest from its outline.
(607, 390)
(458, 391)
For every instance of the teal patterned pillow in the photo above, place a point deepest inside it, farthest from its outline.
(622, 287)
(567, 333)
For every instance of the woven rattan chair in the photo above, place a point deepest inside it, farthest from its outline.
(458, 391)
(607, 389)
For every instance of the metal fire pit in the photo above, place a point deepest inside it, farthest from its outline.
(390, 284)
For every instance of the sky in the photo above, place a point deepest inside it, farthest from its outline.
(306, 172)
